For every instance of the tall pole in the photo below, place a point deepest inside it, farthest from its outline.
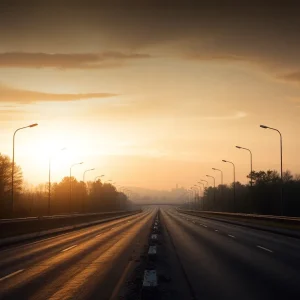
(98, 177)
(13, 164)
(214, 187)
(281, 159)
(221, 174)
(206, 187)
(230, 162)
(251, 182)
(202, 195)
(49, 183)
(85, 172)
(221, 189)
(70, 201)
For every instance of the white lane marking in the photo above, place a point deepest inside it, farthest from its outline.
(216, 230)
(68, 248)
(266, 249)
(203, 225)
(194, 222)
(232, 236)
(10, 275)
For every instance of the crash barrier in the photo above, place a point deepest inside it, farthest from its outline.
(289, 226)
(35, 225)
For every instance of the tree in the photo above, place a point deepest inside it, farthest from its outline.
(5, 183)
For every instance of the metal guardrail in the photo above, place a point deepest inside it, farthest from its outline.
(281, 219)
(16, 220)
(19, 231)
(20, 226)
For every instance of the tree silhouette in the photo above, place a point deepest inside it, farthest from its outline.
(5, 183)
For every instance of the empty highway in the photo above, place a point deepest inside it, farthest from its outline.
(224, 261)
(83, 264)
(204, 259)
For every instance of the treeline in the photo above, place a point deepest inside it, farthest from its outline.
(263, 197)
(67, 196)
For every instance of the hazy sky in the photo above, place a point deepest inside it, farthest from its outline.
(149, 94)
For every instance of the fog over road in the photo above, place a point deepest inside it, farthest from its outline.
(224, 261)
(83, 264)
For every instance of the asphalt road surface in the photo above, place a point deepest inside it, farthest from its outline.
(83, 264)
(224, 261)
(204, 259)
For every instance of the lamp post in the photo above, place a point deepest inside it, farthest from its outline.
(214, 187)
(238, 147)
(203, 194)
(280, 135)
(83, 202)
(206, 187)
(221, 174)
(98, 177)
(87, 171)
(226, 161)
(221, 189)
(197, 192)
(49, 184)
(13, 163)
(71, 182)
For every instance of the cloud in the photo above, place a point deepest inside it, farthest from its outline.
(219, 57)
(237, 115)
(291, 76)
(12, 115)
(106, 59)
(9, 94)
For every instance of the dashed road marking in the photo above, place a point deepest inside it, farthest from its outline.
(232, 236)
(10, 275)
(263, 248)
(216, 230)
(69, 248)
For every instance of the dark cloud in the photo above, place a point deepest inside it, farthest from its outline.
(9, 94)
(292, 76)
(260, 32)
(66, 61)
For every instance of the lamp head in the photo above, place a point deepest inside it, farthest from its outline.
(264, 126)
(33, 125)
(238, 147)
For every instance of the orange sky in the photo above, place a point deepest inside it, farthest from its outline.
(149, 95)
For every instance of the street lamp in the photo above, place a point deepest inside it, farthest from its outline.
(281, 196)
(98, 177)
(205, 181)
(214, 187)
(13, 163)
(221, 174)
(87, 171)
(49, 184)
(202, 194)
(226, 161)
(71, 182)
(251, 183)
